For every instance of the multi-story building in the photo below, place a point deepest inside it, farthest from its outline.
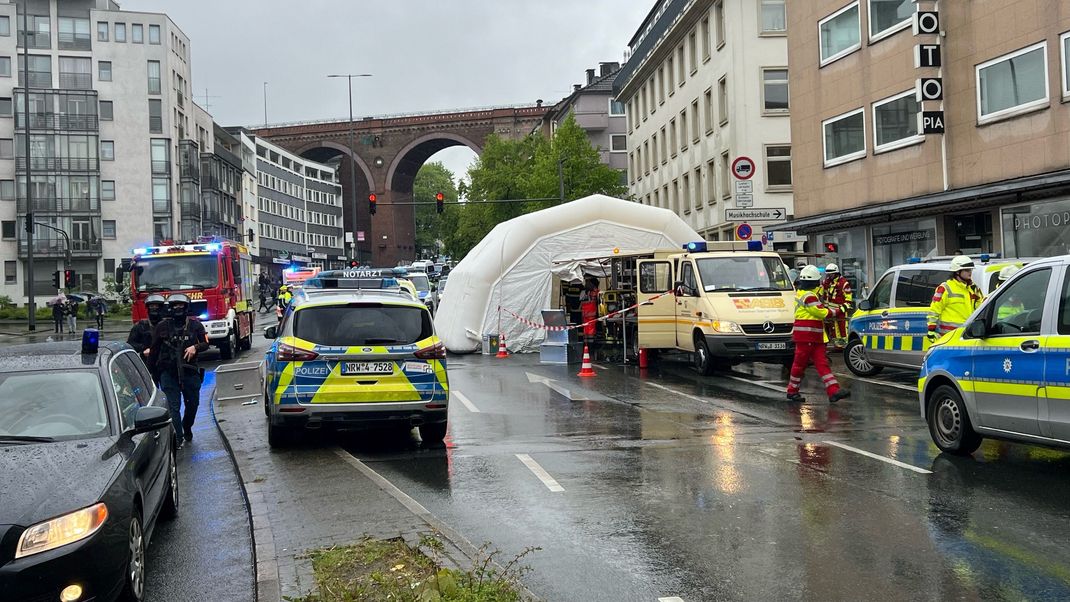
(299, 210)
(707, 84)
(108, 115)
(598, 113)
(874, 173)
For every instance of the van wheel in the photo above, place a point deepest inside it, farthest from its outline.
(703, 360)
(854, 355)
(949, 424)
(433, 434)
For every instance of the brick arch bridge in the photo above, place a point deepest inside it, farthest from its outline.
(387, 152)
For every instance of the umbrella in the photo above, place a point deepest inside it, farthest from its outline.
(56, 299)
(77, 297)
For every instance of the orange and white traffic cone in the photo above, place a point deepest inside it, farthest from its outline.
(501, 347)
(586, 369)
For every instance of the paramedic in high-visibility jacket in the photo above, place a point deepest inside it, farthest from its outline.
(835, 291)
(810, 337)
(954, 300)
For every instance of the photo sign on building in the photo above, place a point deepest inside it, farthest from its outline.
(929, 89)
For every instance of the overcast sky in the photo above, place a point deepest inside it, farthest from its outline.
(424, 54)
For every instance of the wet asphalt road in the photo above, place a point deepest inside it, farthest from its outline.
(670, 484)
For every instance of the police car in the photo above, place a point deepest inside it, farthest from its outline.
(1006, 373)
(354, 350)
(888, 328)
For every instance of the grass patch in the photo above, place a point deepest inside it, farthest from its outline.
(392, 571)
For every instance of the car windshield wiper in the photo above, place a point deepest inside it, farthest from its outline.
(24, 439)
(765, 288)
(726, 289)
(380, 341)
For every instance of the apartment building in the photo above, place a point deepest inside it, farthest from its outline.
(706, 85)
(598, 112)
(299, 211)
(927, 128)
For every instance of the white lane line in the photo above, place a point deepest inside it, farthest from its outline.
(600, 366)
(465, 401)
(540, 472)
(886, 384)
(757, 383)
(878, 457)
(680, 393)
(671, 599)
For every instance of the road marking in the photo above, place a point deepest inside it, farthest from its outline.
(540, 472)
(549, 382)
(600, 366)
(671, 599)
(756, 383)
(680, 393)
(886, 384)
(878, 457)
(464, 401)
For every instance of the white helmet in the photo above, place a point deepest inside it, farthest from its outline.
(1007, 272)
(960, 263)
(832, 269)
(810, 273)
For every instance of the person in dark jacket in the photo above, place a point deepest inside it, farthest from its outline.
(176, 342)
(140, 337)
(57, 312)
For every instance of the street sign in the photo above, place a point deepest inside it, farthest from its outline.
(744, 231)
(360, 236)
(762, 214)
(743, 168)
(744, 201)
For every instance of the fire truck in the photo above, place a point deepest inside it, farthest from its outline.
(217, 278)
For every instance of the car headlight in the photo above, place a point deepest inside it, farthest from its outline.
(61, 530)
(727, 327)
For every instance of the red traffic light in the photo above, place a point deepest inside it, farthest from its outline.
(440, 197)
(69, 278)
(371, 198)
(831, 247)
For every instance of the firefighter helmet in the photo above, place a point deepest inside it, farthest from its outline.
(832, 269)
(810, 273)
(1006, 273)
(960, 263)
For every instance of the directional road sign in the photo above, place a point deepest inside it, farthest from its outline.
(763, 214)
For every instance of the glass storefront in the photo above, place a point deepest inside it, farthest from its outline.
(851, 256)
(895, 243)
(1039, 229)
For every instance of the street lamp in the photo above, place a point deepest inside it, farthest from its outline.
(352, 148)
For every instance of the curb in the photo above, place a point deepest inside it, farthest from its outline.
(268, 587)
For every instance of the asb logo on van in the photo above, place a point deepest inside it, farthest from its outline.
(759, 303)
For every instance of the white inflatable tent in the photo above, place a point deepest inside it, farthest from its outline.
(512, 266)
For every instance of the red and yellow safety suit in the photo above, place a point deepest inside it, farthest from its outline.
(809, 336)
(836, 292)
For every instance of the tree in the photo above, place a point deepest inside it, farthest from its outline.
(528, 168)
(430, 225)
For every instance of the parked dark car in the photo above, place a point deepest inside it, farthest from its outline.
(87, 465)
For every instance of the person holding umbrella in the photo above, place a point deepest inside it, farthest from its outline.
(57, 304)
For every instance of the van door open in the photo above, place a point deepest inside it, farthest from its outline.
(657, 319)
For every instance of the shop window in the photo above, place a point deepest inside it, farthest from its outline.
(1013, 84)
(840, 34)
(1040, 229)
(897, 243)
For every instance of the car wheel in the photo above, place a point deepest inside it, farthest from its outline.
(703, 361)
(854, 355)
(279, 436)
(433, 433)
(949, 424)
(170, 500)
(134, 583)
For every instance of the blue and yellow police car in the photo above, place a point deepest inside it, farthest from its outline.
(354, 350)
(1006, 373)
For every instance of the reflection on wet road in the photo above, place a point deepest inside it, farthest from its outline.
(715, 488)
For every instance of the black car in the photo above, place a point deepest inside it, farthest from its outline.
(87, 465)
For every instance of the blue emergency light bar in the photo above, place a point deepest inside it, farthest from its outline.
(90, 341)
(356, 278)
(696, 247)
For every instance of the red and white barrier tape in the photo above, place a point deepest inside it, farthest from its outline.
(539, 326)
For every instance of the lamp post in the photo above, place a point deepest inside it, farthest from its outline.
(352, 148)
(25, 75)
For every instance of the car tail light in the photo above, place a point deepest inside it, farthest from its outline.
(289, 353)
(434, 352)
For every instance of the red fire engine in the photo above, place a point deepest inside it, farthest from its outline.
(217, 278)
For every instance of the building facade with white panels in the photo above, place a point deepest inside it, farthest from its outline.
(705, 84)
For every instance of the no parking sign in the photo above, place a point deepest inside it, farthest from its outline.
(744, 231)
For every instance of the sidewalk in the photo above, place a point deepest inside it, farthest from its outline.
(113, 326)
(313, 496)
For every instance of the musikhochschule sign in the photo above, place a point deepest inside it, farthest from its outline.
(897, 238)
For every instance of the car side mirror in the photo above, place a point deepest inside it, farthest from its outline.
(151, 418)
(865, 305)
(978, 329)
(271, 332)
(120, 275)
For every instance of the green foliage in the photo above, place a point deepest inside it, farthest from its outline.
(430, 225)
(526, 169)
(5, 302)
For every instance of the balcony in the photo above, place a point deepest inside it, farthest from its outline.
(58, 121)
(161, 168)
(54, 247)
(61, 205)
(74, 41)
(38, 79)
(76, 81)
(59, 164)
(40, 39)
(592, 121)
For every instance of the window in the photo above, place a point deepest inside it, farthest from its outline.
(618, 143)
(778, 167)
(102, 31)
(915, 287)
(646, 153)
(722, 99)
(774, 17)
(106, 110)
(675, 198)
(10, 274)
(107, 229)
(672, 136)
(654, 145)
(616, 107)
(107, 190)
(650, 88)
(120, 32)
(719, 29)
(137, 33)
(774, 90)
(661, 85)
(73, 34)
(107, 150)
(844, 137)
(711, 181)
(126, 391)
(7, 190)
(682, 64)
(104, 71)
(881, 298)
(5, 26)
(1064, 44)
(1018, 308)
(696, 123)
(8, 229)
(1013, 84)
(683, 129)
(655, 276)
(154, 34)
(840, 34)
(76, 72)
(40, 70)
(698, 189)
(726, 185)
(664, 146)
(154, 77)
(672, 74)
(685, 193)
(161, 195)
(5, 66)
(35, 31)
(707, 100)
(895, 122)
(155, 116)
(889, 16)
(692, 51)
(7, 148)
(706, 39)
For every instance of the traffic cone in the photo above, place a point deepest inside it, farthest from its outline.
(501, 347)
(586, 369)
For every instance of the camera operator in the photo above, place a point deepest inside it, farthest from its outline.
(176, 342)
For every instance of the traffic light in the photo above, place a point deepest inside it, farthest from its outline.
(831, 247)
(29, 223)
(354, 263)
(440, 200)
(371, 203)
(69, 278)
(57, 279)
